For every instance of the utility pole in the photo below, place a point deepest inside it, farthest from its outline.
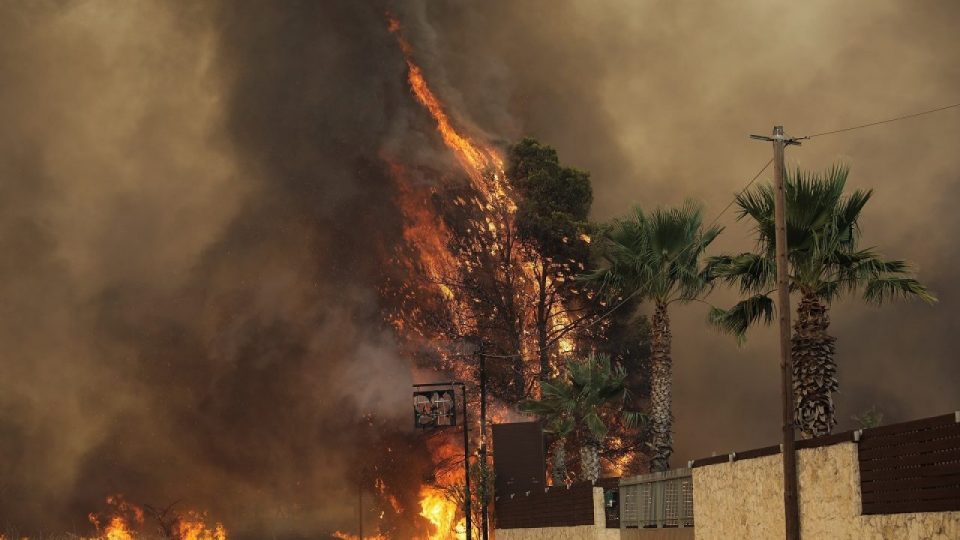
(790, 499)
(360, 509)
(466, 465)
(484, 517)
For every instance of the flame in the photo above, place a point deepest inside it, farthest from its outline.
(493, 205)
(126, 522)
(120, 525)
(424, 230)
(117, 529)
(428, 236)
(441, 512)
(482, 164)
(193, 526)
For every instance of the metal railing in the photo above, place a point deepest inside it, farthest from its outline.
(657, 500)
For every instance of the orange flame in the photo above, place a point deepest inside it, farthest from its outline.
(482, 164)
(441, 512)
(126, 523)
(193, 526)
(426, 233)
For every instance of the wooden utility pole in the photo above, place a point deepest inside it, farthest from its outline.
(484, 512)
(790, 500)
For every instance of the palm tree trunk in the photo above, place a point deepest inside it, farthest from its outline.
(590, 461)
(814, 369)
(661, 392)
(559, 472)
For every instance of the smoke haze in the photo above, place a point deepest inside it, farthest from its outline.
(656, 99)
(194, 212)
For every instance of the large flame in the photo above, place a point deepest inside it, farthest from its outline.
(125, 521)
(481, 162)
(442, 513)
(428, 236)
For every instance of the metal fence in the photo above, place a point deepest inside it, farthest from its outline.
(657, 500)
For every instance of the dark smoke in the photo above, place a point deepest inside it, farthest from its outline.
(194, 211)
(193, 219)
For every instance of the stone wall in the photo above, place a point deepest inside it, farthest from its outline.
(597, 531)
(744, 499)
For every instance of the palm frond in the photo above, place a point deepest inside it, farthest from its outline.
(655, 254)
(751, 272)
(823, 254)
(741, 316)
(889, 288)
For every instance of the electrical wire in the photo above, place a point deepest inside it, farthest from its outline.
(742, 191)
(878, 122)
(712, 223)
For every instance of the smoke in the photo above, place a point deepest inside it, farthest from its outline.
(657, 98)
(194, 214)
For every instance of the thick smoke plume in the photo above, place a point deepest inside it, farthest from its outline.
(194, 211)
(192, 215)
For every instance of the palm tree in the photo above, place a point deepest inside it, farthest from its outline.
(656, 257)
(577, 401)
(825, 261)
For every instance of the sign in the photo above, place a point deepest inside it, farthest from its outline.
(434, 409)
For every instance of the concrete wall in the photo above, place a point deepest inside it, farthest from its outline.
(744, 500)
(597, 531)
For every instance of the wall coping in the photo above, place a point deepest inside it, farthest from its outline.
(604, 483)
(816, 442)
(826, 440)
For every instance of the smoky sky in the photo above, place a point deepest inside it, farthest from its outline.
(656, 100)
(194, 213)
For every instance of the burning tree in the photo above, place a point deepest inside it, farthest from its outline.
(491, 252)
(551, 222)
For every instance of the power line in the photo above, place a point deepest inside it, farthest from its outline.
(742, 191)
(712, 223)
(764, 168)
(887, 121)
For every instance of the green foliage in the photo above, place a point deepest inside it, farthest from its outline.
(824, 257)
(655, 255)
(554, 201)
(577, 399)
(870, 418)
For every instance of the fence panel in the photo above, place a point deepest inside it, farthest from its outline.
(657, 500)
(911, 467)
(556, 506)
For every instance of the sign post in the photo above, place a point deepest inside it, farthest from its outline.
(437, 409)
